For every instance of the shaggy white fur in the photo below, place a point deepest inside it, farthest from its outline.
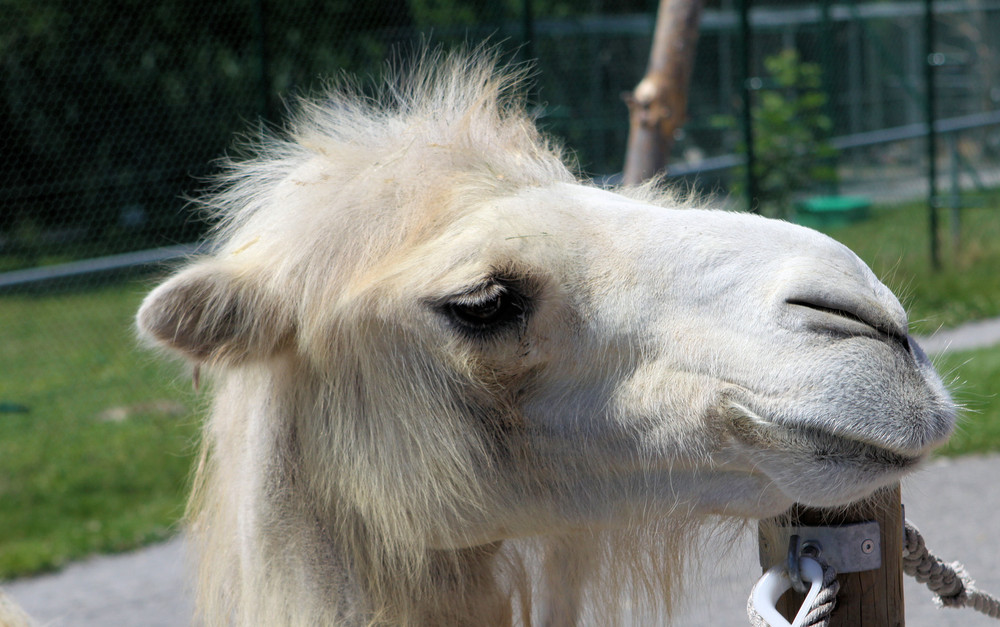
(454, 385)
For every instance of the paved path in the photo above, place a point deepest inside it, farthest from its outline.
(955, 503)
(145, 588)
(977, 334)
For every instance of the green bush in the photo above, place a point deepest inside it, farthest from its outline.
(790, 127)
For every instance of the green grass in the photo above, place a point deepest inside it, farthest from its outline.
(73, 480)
(974, 378)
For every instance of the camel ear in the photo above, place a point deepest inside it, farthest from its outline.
(207, 313)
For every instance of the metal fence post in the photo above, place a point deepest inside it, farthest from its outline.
(930, 101)
(747, 91)
(528, 28)
(264, 108)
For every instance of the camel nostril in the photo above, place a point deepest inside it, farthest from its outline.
(851, 319)
(836, 312)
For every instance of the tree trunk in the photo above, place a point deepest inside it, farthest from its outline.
(658, 106)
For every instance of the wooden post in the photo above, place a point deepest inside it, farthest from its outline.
(658, 105)
(873, 597)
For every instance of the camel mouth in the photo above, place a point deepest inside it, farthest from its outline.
(821, 445)
(815, 466)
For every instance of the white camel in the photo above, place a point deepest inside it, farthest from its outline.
(454, 385)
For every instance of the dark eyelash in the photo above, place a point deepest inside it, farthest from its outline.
(491, 309)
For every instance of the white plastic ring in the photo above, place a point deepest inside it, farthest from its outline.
(775, 582)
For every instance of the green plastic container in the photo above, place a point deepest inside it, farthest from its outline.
(832, 210)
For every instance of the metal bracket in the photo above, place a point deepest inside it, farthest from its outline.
(847, 548)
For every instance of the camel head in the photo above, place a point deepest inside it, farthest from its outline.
(420, 319)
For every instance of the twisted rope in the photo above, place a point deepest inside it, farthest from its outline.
(822, 607)
(950, 582)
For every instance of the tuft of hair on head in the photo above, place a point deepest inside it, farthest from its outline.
(437, 112)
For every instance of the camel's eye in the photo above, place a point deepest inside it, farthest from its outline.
(488, 309)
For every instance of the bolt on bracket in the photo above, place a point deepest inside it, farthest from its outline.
(849, 548)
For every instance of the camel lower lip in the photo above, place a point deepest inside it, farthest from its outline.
(881, 456)
(822, 445)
